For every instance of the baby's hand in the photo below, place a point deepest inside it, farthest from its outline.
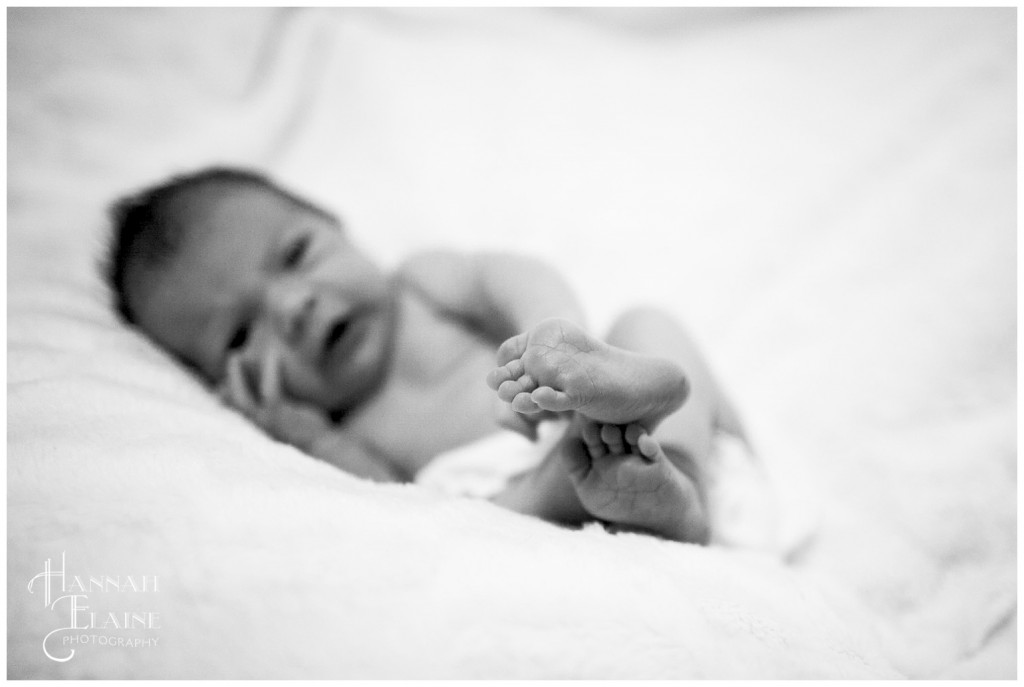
(286, 420)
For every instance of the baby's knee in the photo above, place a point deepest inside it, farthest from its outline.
(637, 326)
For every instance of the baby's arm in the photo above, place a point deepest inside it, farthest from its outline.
(305, 427)
(500, 295)
(340, 449)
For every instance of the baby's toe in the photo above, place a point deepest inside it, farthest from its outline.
(649, 447)
(611, 435)
(504, 373)
(552, 399)
(512, 348)
(633, 433)
(522, 403)
(590, 432)
(512, 388)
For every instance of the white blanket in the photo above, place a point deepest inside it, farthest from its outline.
(826, 198)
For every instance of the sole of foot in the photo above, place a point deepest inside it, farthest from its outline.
(623, 476)
(558, 367)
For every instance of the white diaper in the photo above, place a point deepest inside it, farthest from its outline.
(482, 468)
(746, 507)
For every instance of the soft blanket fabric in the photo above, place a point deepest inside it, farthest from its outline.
(827, 199)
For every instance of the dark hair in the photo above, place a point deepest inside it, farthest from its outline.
(145, 233)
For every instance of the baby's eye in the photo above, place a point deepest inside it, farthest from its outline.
(239, 338)
(296, 251)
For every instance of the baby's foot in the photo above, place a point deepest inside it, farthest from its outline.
(623, 476)
(556, 366)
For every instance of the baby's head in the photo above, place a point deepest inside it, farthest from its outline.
(224, 262)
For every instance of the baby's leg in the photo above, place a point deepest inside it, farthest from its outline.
(686, 435)
(691, 428)
(606, 383)
(556, 366)
(618, 475)
(546, 491)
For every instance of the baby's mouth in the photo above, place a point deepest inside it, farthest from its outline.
(335, 333)
(344, 334)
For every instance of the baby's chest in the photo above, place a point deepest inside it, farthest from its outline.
(436, 397)
(414, 422)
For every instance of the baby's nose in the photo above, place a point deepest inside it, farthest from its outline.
(291, 306)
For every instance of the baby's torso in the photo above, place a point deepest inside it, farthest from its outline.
(435, 397)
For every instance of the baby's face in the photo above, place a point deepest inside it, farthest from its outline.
(278, 285)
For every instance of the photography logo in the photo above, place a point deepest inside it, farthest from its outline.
(67, 596)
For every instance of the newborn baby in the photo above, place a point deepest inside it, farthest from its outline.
(267, 298)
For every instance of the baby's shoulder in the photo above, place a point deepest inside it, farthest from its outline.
(433, 262)
(438, 273)
(453, 270)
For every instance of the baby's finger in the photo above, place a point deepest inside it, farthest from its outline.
(270, 378)
(236, 392)
(297, 425)
(238, 388)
